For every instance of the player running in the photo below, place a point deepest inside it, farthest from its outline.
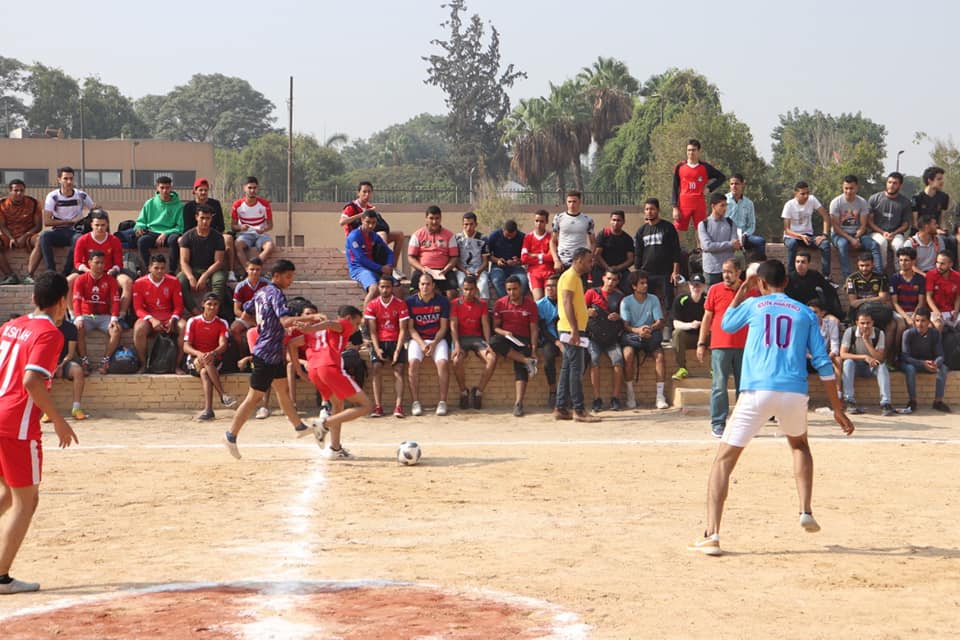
(773, 382)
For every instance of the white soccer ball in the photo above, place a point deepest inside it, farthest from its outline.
(409, 453)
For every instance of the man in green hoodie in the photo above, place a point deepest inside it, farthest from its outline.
(160, 223)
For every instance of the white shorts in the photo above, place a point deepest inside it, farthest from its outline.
(440, 353)
(754, 408)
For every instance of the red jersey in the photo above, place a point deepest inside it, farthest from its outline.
(255, 215)
(469, 317)
(100, 297)
(163, 300)
(205, 335)
(690, 183)
(27, 343)
(533, 247)
(243, 293)
(388, 317)
(112, 251)
(719, 297)
(516, 318)
(325, 348)
(944, 289)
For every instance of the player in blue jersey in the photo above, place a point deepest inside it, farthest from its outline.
(773, 382)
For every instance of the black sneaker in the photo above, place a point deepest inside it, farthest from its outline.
(597, 405)
(887, 410)
(942, 406)
(851, 407)
(464, 399)
(912, 405)
(615, 404)
(518, 410)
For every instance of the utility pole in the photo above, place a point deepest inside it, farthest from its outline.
(83, 147)
(290, 166)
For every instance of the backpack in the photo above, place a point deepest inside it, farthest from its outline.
(163, 355)
(124, 361)
(604, 332)
(951, 349)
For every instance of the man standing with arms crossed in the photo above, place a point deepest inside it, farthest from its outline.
(781, 332)
(692, 181)
(572, 230)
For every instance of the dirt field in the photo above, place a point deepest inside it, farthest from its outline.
(586, 526)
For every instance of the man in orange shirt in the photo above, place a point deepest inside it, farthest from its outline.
(21, 220)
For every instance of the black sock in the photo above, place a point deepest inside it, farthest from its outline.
(6, 579)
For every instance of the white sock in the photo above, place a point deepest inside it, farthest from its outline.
(659, 389)
(76, 405)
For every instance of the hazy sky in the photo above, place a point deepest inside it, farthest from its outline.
(357, 65)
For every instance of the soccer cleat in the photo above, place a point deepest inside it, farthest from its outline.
(262, 413)
(320, 431)
(809, 523)
(631, 397)
(337, 454)
(597, 405)
(662, 402)
(941, 406)
(205, 416)
(708, 546)
(518, 410)
(531, 366)
(230, 442)
(302, 430)
(377, 412)
(416, 409)
(78, 414)
(615, 404)
(228, 401)
(441, 408)
(18, 586)
(887, 410)
(681, 374)
(398, 412)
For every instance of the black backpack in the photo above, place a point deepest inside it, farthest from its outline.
(951, 348)
(604, 332)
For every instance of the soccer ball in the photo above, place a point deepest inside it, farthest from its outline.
(409, 453)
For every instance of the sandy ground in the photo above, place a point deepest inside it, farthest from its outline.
(592, 518)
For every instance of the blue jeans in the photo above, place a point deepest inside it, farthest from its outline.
(58, 237)
(499, 275)
(723, 363)
(755, 244)
(792, 245)
(570, 385)
(910, 372)
(859, 369)
(843, 248)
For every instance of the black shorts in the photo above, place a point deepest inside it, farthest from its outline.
(473, 343)
(389, 347)
(501, 346)
(264, 373)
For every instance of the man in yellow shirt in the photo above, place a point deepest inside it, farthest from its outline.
(572, 311)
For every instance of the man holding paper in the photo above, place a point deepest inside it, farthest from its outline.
(572, 312)
(434, 250)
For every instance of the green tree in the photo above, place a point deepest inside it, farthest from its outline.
(215, 108)
(468, 70)
(109, 114)
(820, 149)
(611, 90)
(12, 84)
(55, 99)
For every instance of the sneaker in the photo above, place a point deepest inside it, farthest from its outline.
(583, 416)
(532, 367)
(912, 405)
(850, 406)
(398, 412)
(399, 275)
(518, 410)
(416, 409)
(662, 402)
(19, 586)
(27, 280)
(326, 410)
(562, 414)
(708, 546)
(615, 404)
(887, 410)
(205, 416)
(10, 279)
(597, 405)
(809, 523)
(85, 364)
(337, 454)
(464, 399)
(476, 398)
(301, 430)
(230, 442)
(377, 412)
(231, 276)
(229, 402)
(942, 406)
(716, 430)
(45, 418)
(320, 431)
(262, 413)
(681, 374)
(441, 408)
(631, 397)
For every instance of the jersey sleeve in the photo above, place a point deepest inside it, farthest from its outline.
(45, 352)
(234, 214)
(267, 209)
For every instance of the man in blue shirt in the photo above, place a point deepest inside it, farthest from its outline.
(549, 336)
(363, 247)
(505, 245)
(773, 382)
(740, 209)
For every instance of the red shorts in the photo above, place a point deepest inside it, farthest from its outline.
(538, 274)
(696, 209)
(333, 381)
(21, 462)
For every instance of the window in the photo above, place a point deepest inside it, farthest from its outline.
(148, 177)
(33, 177)
(101, 178)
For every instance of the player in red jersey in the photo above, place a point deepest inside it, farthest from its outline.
(204, 342)
(242, 294)
(516, 324)
(692, 181)
(386, 317)
(326, 342)
(252, 218)
(536, 256)
(470, 332)
(96, 307)
(29, 348)
(158, 303)
(101, 239)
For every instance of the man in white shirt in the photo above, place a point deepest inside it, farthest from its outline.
(63, 218)
(798, 227)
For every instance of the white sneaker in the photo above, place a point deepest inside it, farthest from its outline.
(230, 442)
(338, 454)
(662, 402)
(19, 586)
(416, 409)
(631, 397)
(709, 546)
(532, 366)
(262, 413)
(228, 401)
(320, 431)
(441, 408)
(231, 276)
(809, 523)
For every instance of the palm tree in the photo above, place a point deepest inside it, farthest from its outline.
(568, 120)
(337, 140)
(523, 132)
(612, 92)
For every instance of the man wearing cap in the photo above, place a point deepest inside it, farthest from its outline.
(201, 195)
(687, 316)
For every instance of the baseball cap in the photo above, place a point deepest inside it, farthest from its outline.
(200, 182)
(697, 279)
